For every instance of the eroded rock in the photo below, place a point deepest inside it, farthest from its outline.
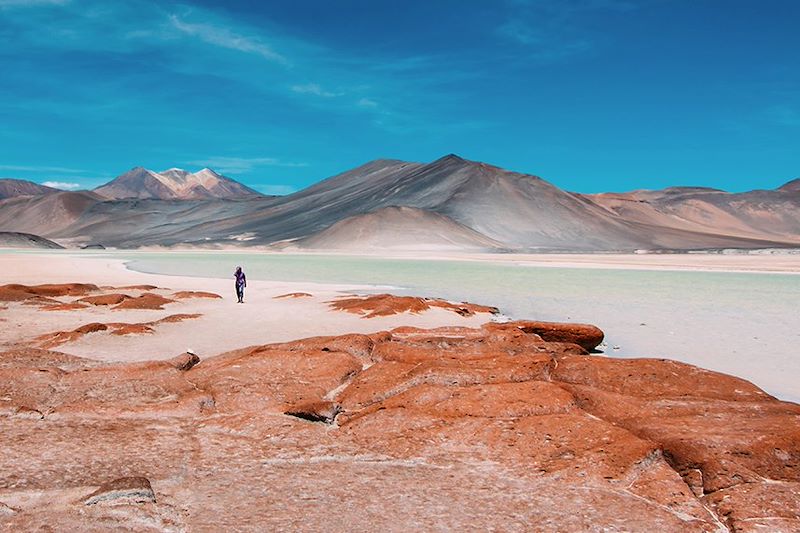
(510, 429)
(147, 300)
(315, 410)
(182, 295)
(122, 490)
(584, 335)
(185, 361)
(105, 299)
(389, 304)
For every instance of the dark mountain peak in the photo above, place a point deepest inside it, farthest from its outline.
(137, 170)
(791, 186)
(451, 158)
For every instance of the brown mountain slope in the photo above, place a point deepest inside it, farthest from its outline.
(45, 215)
(10, 188)
(406, 228)
(517, 210)
(762, 215)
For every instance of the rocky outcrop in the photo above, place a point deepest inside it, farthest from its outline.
(52, 340)
(315, 410)
(147, 300)
(185, 361)
(584, 335)
(181, 295)
(389, 304)
(16, 292)
(293, 295)
(105, 299)
(512, 430)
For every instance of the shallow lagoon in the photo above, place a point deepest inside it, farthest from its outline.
(745, 324)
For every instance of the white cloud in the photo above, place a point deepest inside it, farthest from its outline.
(225, 38)
(314, 89)
(62, 185)
(367, 102)
(240, 165)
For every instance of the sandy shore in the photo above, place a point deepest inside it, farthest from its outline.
(699, 334)
(223, 326)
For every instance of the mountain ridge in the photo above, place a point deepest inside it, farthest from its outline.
(10, 188)
(173, 184)
(450, 202)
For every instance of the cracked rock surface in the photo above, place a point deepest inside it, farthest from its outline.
(492, 428)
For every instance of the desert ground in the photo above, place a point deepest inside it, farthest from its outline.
(143, 402)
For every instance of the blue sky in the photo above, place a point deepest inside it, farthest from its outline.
(592, 95)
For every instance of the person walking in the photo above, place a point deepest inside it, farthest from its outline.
(241, 283)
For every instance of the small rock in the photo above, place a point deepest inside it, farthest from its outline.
(315, 411)
(123, 490)
(694, 478)
(6, 510)
(185, 361)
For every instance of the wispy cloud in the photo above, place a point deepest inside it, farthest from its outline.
(314, 89)
(41, 169)
(226, 38)
(550, 30)
(242, 165)
(68, 186)
(783, 115)
(31, 3)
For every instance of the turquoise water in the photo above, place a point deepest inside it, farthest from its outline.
(745, 324)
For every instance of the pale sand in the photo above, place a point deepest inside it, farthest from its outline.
(224, 326)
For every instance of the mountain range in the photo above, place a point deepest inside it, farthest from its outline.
(451, 203)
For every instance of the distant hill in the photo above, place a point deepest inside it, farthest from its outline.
(25, 240)
(790, 187)
(10, 188)
(399, 228)
(765, 214)
(173, 184)
(47, 214)
(450, 203)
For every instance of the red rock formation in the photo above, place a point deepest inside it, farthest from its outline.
(293, 295)
(147, 300)
(195, 294)
(16, 292)
(452, 428)
(52, 340)
(105, 299)
(585, 335)
(389, 304)
(72, 306)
